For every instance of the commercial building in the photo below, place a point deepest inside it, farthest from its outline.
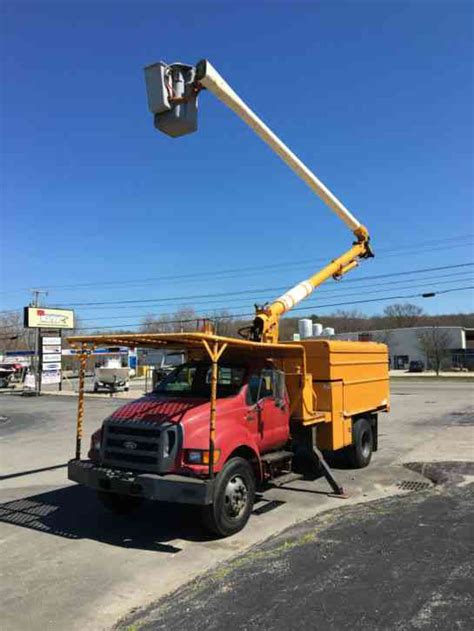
(405, 345)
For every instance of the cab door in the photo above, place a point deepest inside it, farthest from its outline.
(268, 409)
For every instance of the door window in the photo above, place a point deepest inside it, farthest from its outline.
(260, 386)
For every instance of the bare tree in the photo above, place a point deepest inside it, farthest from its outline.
(435, 344)
(12, 334)
(401, 315)
(224, 323)
(346, 321)
(184, 319)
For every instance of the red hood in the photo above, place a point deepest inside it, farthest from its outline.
(153, 408)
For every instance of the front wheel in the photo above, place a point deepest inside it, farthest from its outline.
(234, 496)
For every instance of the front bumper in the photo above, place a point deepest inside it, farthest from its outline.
(164, 488)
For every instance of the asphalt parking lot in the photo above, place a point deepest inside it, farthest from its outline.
(395, 563)
(67, 563)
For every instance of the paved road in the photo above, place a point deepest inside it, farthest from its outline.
(82, 568)
(399, 563)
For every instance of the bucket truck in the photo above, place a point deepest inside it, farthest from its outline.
(239, 414)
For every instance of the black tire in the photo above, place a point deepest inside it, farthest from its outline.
(119, 504)
(234, 496)
(359, 454)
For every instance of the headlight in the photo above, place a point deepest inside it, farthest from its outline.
(96, 440)
(200, 456)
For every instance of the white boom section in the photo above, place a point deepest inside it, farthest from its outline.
(213, 81)
(295, 295)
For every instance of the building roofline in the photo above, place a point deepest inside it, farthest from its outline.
(407, 328)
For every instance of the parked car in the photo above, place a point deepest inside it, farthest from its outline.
(416, 366)
(6, 374)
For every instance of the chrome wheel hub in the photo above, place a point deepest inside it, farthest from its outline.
(365, 444)
(236, 494)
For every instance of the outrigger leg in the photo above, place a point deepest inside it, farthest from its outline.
(318, 456)
(338, 490)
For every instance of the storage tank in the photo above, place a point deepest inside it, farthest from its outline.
(317, 329)
(328, 331)
(305, 328)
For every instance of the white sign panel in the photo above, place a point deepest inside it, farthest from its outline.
(51, 376)
(47, 350)
(48, 341)
(30, 381)
(51, 365)
(52, 357)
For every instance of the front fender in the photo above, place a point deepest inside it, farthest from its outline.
(228, 440)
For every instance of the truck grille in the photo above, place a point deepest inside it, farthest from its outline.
(140, 445)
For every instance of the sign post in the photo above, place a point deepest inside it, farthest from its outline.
(49, 324)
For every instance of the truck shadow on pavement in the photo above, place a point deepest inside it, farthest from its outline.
(74, 512)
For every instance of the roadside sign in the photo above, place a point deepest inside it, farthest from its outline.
(48, 341)
(54, 348)
(51, 346)
(30, 381)
(44, 317)
(50, 376)
(51, 357)
(51, 366)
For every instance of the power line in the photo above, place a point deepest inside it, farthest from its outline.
(257, 268)
(260, 290)
(309, 302)
(312, 302)
(337, 290)
(322, 306)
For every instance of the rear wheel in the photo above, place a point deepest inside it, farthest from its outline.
(360, 452)
(119, 504)
(234, 496)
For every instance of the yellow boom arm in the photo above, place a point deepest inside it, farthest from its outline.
(163, 97)
(265, 326)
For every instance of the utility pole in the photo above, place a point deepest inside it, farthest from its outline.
(36, 293)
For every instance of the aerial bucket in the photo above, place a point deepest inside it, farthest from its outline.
(172, 97)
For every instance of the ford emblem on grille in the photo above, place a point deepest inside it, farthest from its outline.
(129, 444)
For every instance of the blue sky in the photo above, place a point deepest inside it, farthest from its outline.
(376, 97)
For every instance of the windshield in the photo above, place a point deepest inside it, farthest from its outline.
(194, 380)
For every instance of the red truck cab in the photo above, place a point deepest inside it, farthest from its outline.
(166, 433)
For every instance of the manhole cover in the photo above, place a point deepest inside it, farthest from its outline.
(412, 485)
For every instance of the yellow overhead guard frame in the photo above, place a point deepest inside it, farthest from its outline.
(266, 323)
